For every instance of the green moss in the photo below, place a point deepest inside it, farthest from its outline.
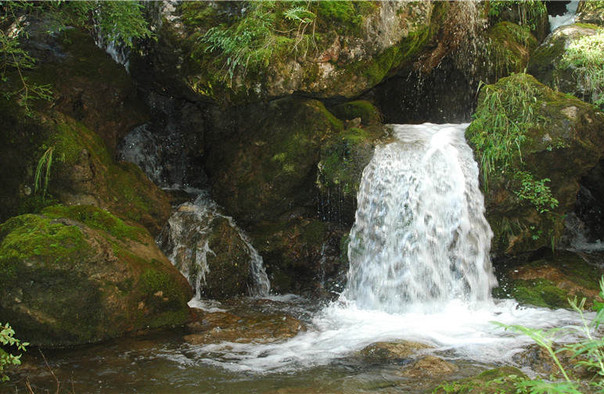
(51, 241)
(498, 380)
(96, 218)
(539, 292)
(363, 109)
(509, 46)
(345, 16)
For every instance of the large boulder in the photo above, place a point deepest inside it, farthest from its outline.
(74, 275)
(533, 146)
(242, 51)
(570, 60)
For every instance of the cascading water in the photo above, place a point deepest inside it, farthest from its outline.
(419, 267)
(420, 237)
(186, 242)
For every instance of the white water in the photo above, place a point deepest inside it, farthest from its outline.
(186, 242)
(420, 237)
(568, 18)
(419, 268)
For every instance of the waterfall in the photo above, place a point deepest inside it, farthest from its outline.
(186, 242)
(420, 238)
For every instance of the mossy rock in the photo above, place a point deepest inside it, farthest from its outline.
(75, 275)
(348, 48)
(81, 170)
(343, 159)
(361, 109)
(86, 83)
(268, 165)
(555, 64)
(590, 12)
(550, 281)
(508, 48)
(531, 169)
(498, 380)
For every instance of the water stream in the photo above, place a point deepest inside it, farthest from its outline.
(419, 271)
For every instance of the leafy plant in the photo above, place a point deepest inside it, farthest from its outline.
(7, 338)
(535, 192)
(501, 122)
(529, 11)
(589, 351)
(42, 174)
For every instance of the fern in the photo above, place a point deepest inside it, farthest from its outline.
(42, 175)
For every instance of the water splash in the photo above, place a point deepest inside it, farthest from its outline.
(185, 241)
(420, 238)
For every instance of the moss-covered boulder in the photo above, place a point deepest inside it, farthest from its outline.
(74, 275)
(549, 280)
(268, 165)
(245, 51)
(571, 60)
(533, 146)
(590, 12)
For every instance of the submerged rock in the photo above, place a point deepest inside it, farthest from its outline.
(389, 352)
(74, 275)
(224, 326)
(429, 367)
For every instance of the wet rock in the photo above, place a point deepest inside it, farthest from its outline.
(268, 164)
(224, 326)
(212, 252)
(343, 158)
(389, 352)
(550, 280)
(74, 275)
(428, 367)
(533, 182)
(541, 362)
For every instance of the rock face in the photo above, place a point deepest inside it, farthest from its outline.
(532, 164)
(74, 275)
(323, 49)
(93, 105)
(570, 60)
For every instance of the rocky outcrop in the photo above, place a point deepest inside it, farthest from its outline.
(533, 145)
(234, 52)
(74, 275)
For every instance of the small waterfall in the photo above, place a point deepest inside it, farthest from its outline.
(420, 238)
(186, 242)
(567, 18)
